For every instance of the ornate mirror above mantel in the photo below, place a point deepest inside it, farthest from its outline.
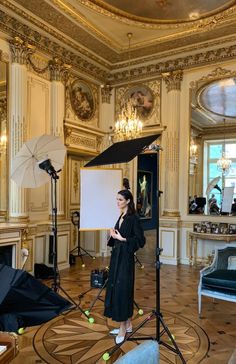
(212, 149)
(3, 140)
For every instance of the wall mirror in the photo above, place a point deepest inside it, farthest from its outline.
(3, 141)
(212, 149)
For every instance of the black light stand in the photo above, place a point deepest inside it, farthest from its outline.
(75, 218)
(157, 312)
(56, 286)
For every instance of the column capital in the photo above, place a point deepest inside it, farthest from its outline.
(173, 80)
(106, 93)
(58, 69)
(20, 50)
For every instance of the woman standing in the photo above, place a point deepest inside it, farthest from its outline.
(125, 239)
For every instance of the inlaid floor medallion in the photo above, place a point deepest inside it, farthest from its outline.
(71, 339)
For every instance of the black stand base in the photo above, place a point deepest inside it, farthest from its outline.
(81, 253)
(174, 347)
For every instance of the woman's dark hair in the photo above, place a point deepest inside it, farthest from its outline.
(126, 183)
(128, 196)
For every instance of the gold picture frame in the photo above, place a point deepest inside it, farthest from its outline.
(82, 100)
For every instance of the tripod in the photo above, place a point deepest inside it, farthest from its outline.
(157, 312)
(56, 286)
(75, 218)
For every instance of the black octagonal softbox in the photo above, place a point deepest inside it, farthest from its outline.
(25, 302)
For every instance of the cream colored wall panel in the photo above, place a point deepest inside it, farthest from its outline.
(168, 243)
(63, 250)
(38, 106)
(40, 249)
(38, 197)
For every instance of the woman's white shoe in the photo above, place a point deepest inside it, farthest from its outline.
(116, 331)
(119, 339)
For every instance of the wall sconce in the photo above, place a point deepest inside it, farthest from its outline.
(193, 149)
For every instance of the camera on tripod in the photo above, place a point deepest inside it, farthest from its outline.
(98, 278)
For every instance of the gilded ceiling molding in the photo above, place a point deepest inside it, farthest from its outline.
(106, 93)
(15, 28)
(20, 50)
(173, 80)
(190, 61)
(58, 70)
(75, 14)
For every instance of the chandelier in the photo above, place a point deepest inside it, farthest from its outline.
(128, 124)
(224, 163)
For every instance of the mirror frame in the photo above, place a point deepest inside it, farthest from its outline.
(195, 87)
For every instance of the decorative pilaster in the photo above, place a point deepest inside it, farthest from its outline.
(58, 72)
(106, 93)
(171, 142)
(20, 52)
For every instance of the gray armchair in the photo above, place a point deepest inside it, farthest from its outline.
(219, 279)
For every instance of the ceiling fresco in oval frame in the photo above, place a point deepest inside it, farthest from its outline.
(164, 10)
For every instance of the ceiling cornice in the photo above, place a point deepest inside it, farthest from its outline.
(55, 44)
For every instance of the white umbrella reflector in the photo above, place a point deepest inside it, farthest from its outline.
(212, 184)
(25, 169)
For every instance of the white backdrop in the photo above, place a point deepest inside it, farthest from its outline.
(98, 207)
(227, 200)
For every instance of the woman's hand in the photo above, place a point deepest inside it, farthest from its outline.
(116, 235)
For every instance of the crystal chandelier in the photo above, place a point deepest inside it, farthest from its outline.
(128, 125)
(224, 163)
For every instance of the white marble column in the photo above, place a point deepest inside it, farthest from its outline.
(57, 73)
(20, 51)
(171, 143)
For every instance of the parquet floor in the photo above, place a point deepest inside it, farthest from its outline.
(71, 339)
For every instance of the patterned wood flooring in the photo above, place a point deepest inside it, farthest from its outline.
(71, 339)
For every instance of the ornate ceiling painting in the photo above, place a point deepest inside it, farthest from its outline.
(164, 10)
(91, 35)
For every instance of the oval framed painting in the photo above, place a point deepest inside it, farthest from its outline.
(142, 99)
(82, 100)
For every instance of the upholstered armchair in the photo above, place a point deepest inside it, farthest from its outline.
(219, 279)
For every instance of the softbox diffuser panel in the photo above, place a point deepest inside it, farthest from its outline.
(24, 301)
(122, 152)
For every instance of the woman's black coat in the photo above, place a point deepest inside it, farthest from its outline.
(120, 286)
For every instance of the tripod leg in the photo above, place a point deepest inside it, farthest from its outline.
(87, 253)
(171, 337)
(98, 296)
(138, 261)
(80, 255)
